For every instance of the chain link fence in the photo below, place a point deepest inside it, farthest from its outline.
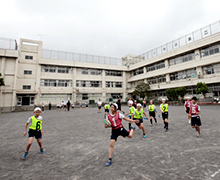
(6, 43)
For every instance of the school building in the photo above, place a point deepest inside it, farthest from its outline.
(34, 75)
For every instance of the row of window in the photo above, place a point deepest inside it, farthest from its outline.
(190, 73)
(108, 84)
(56, 69)
(137, 71)
(182, 59)
(85, 71)
(156, 80)
(210, 50)
(211, 69)
(156, 66)
(56, 83)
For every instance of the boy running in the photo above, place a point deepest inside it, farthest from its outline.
(115, 119)
(138, 115)
(187, 107)
(164, 110)
(194, 113)
(144, 104)
(152, 112)
(35, 130)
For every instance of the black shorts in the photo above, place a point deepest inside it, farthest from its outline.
(106, 110)
(187, 110)
(144, 105)
(196, 121)
(64, 106)
(152, 113)
(119, 108)
(35, 133)
(119, 132)
(87, 106)
(58, 106)
(99, 107)
(141, 121)
(165, 115)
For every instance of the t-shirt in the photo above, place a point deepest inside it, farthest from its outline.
(187, 103)
(29, 121)
(42, 105)
(99, 103)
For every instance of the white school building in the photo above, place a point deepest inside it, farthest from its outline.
(34, 75)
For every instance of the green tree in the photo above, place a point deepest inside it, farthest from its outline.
(141, 90)
(172, 94)
(181, 91)
(2, 83)
(202, 88)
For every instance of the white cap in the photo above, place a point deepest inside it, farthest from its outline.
(151, 101)
(139, 104)
(37, 109)
(187, 97)
(163, 99)
(130, 102)
(115, 105)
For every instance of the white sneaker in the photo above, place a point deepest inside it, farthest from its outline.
(198, 135)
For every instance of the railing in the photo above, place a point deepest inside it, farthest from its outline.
(8, 44)
(204, 32)
(60, 55)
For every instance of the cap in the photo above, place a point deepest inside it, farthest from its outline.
(194, 98)
(37, 109)
(139, 104)
(116, 106)
(151, 101)
(163, 99)
(187, 97)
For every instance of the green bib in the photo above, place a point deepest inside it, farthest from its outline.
(138, 115)
(36, 124)
(164, 107)
(151, 108)
(131, 110)
(107, 106)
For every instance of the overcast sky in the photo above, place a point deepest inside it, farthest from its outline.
(105, 27)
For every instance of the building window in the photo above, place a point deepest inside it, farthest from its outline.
(56, 83)
(113, 84)
(54, 69)
(26, 87)
(182, 59)
(65, 70)
(190, 73)
(135, 83)
(51, 69)
(64, 83)
(85, 97)
(113, 73)
(211, 69)
(29, 57)
(210, 50)
(137, 72)
(156, 66)
(88, 83)
(85, 71)
(27, 72)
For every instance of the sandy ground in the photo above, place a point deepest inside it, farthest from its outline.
(76, 147)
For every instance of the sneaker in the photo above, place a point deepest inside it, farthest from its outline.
(133, 128)
(166, 130)
(189, 121)
(198, 136)
(151, 125)
(108, 163)
(144, 136)
(25, 155)
(42, 151)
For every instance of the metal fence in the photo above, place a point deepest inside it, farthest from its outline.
(204, 32)
(8, 44)
(60, 55)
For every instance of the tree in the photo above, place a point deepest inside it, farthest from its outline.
(181, 91)
(171, 94)
(202, 88)
(141, 90)
(2, 83)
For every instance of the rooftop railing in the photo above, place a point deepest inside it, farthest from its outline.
(6, 43)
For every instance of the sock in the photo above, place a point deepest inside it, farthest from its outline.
(167, 125)
(110, 159)
(144, 134)
(155, 120)
(151, 121)
(129, 126)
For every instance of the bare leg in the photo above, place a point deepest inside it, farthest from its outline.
(30, 141)
(39, 143)
(131, 133)
(111, 149)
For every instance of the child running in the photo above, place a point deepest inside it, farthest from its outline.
(152, 112)
(106, 109)
(35, 130)
(144, 104)
(187, 107)
(131, 111)
(194, 113)
(164, 110)
(138, 115)
(99, 104)
(115, 119)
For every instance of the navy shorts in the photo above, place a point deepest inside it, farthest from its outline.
(144, 105)
(152, 113)
(106, 110)
(196, 121)
(35, 133)
(141, 121)
(165, 115)
(119, 132)
(87, 105)
(187, 110)
(99, 107)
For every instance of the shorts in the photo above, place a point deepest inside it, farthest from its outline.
(141, 121)
(196, 121)
(187, 110)
(87, 106)
(73, 106)
(129, 116)
(165, 115)
(64, 106)
(99, 107)
(119, 108)
(152, 113)
(35, 133)
(106, 110)
(144, 105)
(119, 132)
(58, 106)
